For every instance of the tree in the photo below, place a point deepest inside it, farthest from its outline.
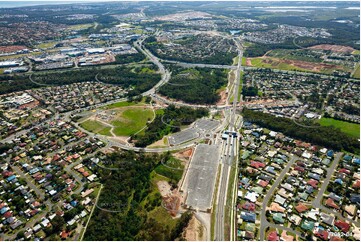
(58, 223)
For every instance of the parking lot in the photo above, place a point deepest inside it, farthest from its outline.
(200, 126)
(206, 124)
(183, 136)
(201, 177)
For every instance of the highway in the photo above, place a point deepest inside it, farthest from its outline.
(186, 64)
(228, 156)
(164, 72)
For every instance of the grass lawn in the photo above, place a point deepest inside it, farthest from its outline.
(278, 63)
(80, 26)
(240, 86)
(167, 171)
(46, 45)
(352, 129)
(162, 216)
(214, 208)
(244, 61)
(235, 60)
(96, 127)
(122, 104)
(131, 120)
(230, 199)
(6, 57)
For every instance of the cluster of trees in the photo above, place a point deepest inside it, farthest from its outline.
(327, 136)
(342, 34)
(196, 86)
(128, 189)
(257, 49)
(166, 169)
(129, 58)
(168, 122)
(250, 91)
(123, 75)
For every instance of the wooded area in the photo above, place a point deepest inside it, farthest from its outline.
(196, 86)
(124, 76)
(329, 136)
(168, 122)
(128, 190)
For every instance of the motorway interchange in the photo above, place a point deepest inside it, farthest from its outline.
(214, 159)
(200, 177)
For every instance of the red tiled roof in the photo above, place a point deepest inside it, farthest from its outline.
(56, 157)
(249, 206)
(313, 183)
(345, 227)
(331, 203)
(64, 234)
(263, 183)
(8, 214)
(257, 164)
(322, 234)
(335, 238)
(344, 170)
(273, 236)
(356, 184)
(298, 168)
(301, 208)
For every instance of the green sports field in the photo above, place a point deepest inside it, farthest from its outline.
(352, 129)
(131, 120)
(96, 127)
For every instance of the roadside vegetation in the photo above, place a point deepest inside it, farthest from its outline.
(170, 167)
(168, 122)
(130, 189)
(129, 58)
(327, 136)
(195, 85)
(135, 78)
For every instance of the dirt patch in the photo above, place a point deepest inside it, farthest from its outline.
(12, 48)
(171, 198)
(184, 155)
(164, 188)
(333, 48)
(183, 16)
(120, 139)
(248, 62)
(195, 230)
(311, 66)
(159, 143)
(223, 99)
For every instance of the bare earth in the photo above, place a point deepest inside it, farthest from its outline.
(195, 231)
(172, 199)
(159, 143)
(223, 99)
(184, 155)
(334, 48)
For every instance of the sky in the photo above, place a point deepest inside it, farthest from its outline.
(164, 0)
(20, 3)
